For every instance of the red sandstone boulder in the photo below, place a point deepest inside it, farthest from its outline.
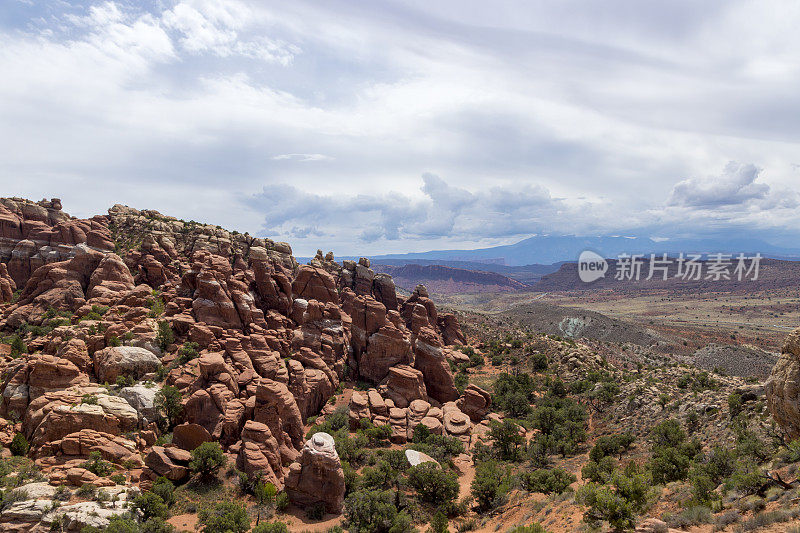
(405, 384)
(431, 360)
(317, 477)
(165, 462)
(113, 362)
(315, 284)
(7, 285)
(475, 403)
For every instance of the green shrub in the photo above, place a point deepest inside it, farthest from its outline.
(746, 478)
(271, 527)
(19, 445)
(381, 476)
(86, 490)
(339, 419)
(693, 516)
(599, 472)
(538, 361)
(461, 380)
(352, 480)
(792, 452)
(188, 352)
(490, 485)
(618, 501)
(207, 459)
(735, 404)
(611, 445)
(224, 517)
(370, 511)
(672, 454)
(514, 394)
(439, 522)
(116, 524)
(432, 484)
(281, 502)
(18, 346)
(164, 335)
(11, 497)
(97, 465)
(168, 399)
(561, 419)
(475, 359)
(556, 480)
(703, 486)
(376, 435)
(156, 525)
(125, 381)
(441, 447)
(507, 440)
(164, 489)
(150, 505)
(89, 399)
(265, 493)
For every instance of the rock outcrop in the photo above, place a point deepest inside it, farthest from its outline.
(317, 477)
(112, 308)
(782, 388)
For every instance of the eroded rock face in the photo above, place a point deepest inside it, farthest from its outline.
(172, 463)
(317, 477)
(7, 285)
(405, 385)
(110, 363)
(259, 346)
(783, 387)
(432, 362)
(475, 403)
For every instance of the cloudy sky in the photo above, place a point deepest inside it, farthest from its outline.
(369, 127)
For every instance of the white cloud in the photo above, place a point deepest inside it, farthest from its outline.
(302, 157)
(218, 27)
(737, 185)
(536, 116)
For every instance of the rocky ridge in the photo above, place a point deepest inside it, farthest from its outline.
(254, 342)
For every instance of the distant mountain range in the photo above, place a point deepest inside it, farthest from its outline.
(544, 262)
(448, 280)
(543, 251)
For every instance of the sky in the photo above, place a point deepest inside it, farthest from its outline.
(385, 127)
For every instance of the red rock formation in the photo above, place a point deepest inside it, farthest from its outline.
(317, 477)
(259, 346)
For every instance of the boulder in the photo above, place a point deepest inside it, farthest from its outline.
(359, 408)
(317, 477)
(430, 359)
(385, 348)
(165, 464)
(475, 403)
(189, 436)
(143, 400)
(417, 458)
(110, 363)
(456, 423)
(383, 290)
(315, 284)
(259, 453)
(405, 384)
(782, 388)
